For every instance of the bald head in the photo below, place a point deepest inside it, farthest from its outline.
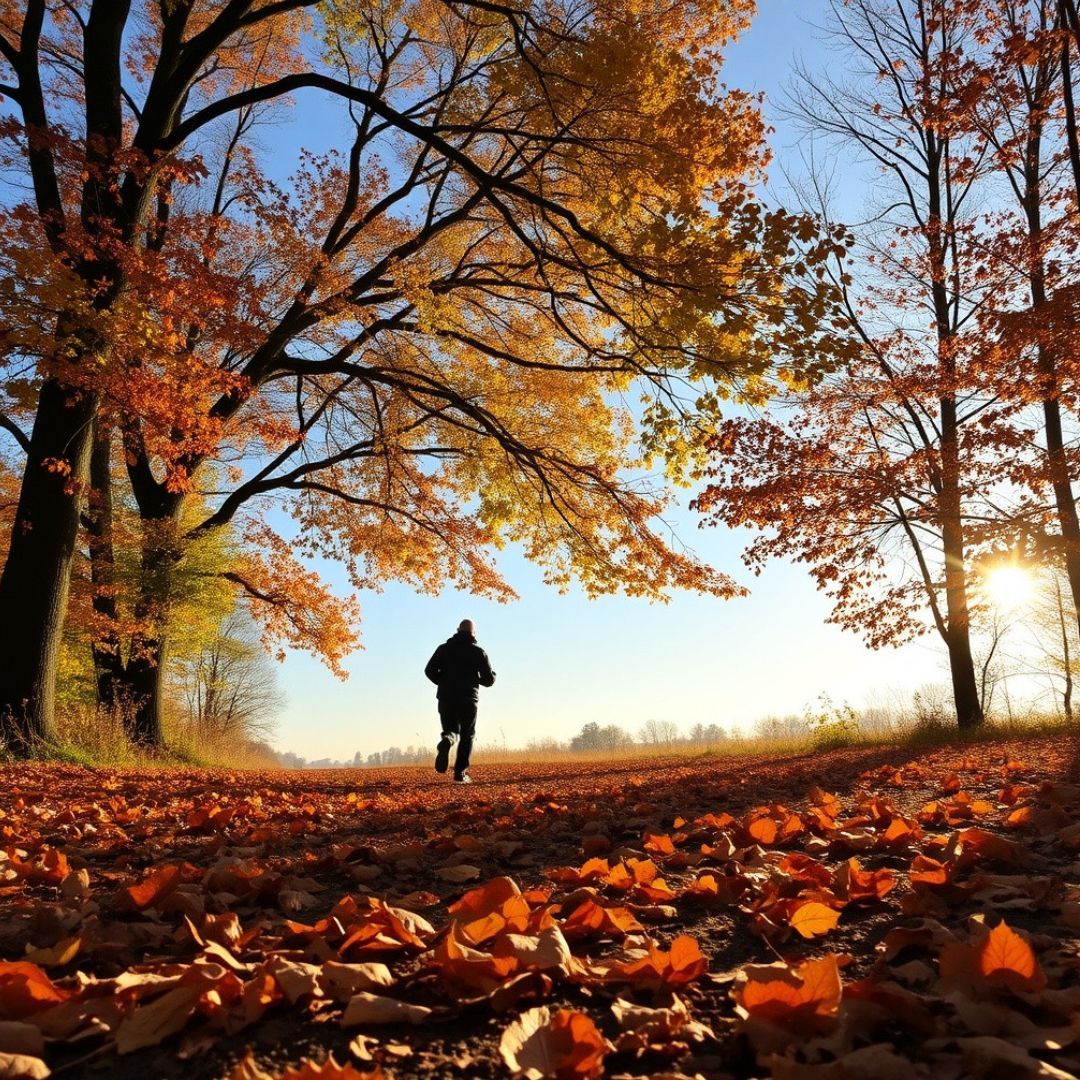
(466, 627)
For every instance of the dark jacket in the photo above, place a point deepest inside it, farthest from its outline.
(458, 667)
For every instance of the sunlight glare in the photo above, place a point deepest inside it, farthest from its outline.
(1008, 587)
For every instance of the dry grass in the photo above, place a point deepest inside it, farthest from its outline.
(924, 732)
(90, 736)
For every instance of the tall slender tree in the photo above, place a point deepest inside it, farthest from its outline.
(874, 476)
(1017, 91)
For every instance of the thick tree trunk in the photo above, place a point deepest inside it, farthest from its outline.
(144, 690)
(37, 575)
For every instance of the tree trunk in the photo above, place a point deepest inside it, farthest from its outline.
(108, 660)
(969, 712)
(1066, 657)
(1065, 503)
(950, 508)
(143, 689)
(1056, 459)
(144, 673)
(37, 575)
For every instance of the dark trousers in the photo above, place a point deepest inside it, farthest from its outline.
(458, 719)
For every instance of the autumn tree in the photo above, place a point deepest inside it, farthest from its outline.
(417, 346)
(1016, 91)
(882, 476)
(93, 163)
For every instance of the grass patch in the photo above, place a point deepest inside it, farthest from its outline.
(98, 738)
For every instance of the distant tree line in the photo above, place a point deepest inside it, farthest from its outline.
(592, 738)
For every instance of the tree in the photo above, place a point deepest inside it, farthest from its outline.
(596, 739)
(417, 350)
(1014, 90)
(230, 685)
(1055, 636)
(882, 477)
(659, 732)
(780, 727)
(707, 734)
(80, 241)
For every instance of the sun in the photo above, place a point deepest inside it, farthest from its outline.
(1008, 587)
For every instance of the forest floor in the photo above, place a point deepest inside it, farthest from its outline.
(876, 912)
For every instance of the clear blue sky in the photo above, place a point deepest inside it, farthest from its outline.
(561, 660)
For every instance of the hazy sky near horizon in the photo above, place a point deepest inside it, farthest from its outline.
(563, 660)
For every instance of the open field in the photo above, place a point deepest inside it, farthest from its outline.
(199, 924)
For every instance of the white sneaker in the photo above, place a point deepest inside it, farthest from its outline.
(464, 778)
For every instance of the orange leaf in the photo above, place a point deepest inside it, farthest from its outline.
(862, 885)
(825, 800)
(155, 887)
(26, 989)
(484, 899)
(686, 959)
(682, 964)
(566, 1046)
(463, 966)
(813, 919)
(979, 844)
(1005, 957)
(590, 918)
(330, 1070)
(763, 830)
(804, 998)
(659, 845)
(927, 872)
(592, 870)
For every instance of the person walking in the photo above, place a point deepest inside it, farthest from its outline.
(458, 667)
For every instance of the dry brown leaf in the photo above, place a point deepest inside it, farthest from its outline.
(344, 980)
(147, 1025)
(22, 1067)
(295, 978)
(368, 1008)
(63, 952)
(459, 874)
(546, 951)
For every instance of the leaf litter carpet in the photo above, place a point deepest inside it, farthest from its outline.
(887, 913)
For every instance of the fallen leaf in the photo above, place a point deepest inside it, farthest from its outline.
(813, 919)
(566, 1046)
(148, 1025)
(368, 1008)
(800, 1000)
(1006, 958)
(22, 1067)
(458, 874)
(25, 989)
